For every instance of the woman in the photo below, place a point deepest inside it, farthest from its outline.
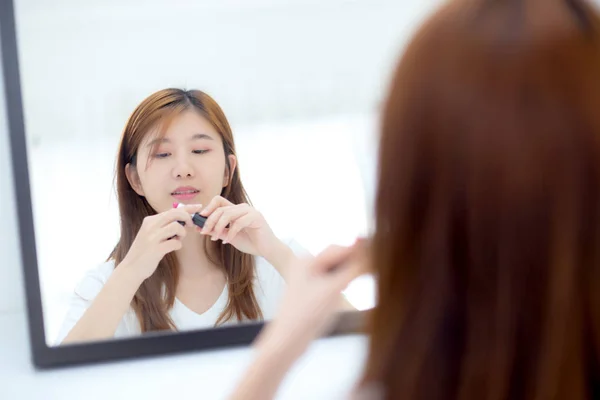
(487, 243)
(177, 147)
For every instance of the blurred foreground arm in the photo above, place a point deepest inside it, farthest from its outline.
(308, 308)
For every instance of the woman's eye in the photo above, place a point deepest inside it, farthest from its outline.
(161, 155)
(200, 151)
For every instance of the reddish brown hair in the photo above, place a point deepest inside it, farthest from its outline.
(151, 306)
(487, 247)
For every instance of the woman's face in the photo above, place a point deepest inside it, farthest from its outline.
(187, 166)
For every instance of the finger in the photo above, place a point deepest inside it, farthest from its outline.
(173, 229)
(237, 226)
(230, 215)
(214, 204)
(346, 272)
(362, 255)
(163, 219)
(355, 265)
(191, 208)
(173, 215)
(169, 246)
(330, 259)
(211, 221)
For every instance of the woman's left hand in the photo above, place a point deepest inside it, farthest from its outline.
(240, 225)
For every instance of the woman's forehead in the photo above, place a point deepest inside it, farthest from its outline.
(190, 122)
(189, 125)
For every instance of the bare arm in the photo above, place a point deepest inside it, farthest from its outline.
(101, 319)
(159, 234)
(307, 310)
(283, 257)
(275, 356)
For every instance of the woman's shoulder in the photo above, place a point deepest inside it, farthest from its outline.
(94, 279)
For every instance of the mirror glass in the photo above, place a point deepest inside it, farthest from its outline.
(263, 112)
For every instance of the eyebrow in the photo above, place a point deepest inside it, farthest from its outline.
(197, 136)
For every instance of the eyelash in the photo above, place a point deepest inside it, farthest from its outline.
(164, 155)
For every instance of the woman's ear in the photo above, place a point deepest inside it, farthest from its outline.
(134, 179)
(229, 171)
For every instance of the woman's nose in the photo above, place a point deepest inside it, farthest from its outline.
(183, 168)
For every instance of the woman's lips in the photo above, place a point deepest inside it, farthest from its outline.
(185, 195)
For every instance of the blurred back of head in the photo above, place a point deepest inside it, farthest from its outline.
(487, 250)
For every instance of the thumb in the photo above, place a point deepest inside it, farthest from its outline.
(330, 259)
(193, 208)
(348, 271)
(343, 264)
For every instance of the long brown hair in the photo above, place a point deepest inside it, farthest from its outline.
(156, 296)
(487, 243)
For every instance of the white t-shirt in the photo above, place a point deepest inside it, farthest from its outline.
(268, 289)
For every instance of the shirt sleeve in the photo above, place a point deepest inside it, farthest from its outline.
(84, 293)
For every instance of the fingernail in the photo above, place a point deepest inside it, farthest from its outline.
(175, 205)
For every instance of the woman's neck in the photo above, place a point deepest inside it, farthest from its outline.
(192, 257)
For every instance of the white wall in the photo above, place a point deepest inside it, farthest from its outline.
(86, 65)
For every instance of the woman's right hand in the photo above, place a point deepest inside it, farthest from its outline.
(159, 234)
(306, 311)
(312, 296)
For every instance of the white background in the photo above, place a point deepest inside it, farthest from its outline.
(301, 83)
(329, 368)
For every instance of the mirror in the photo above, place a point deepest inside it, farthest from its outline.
(129, 108)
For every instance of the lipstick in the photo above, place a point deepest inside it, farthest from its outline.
(197, 219)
